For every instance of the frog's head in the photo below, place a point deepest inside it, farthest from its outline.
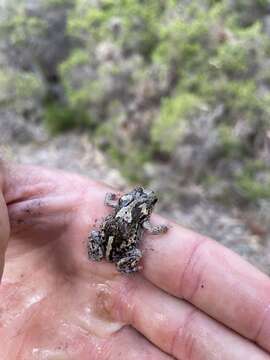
(139, 203)
(146, 200)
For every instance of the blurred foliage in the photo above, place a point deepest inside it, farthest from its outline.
(18, 89)
(150, 79)
(254, 181)
(58, 118)
(175, 113)
(132, 24)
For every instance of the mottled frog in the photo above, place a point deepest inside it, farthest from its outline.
(120, 233)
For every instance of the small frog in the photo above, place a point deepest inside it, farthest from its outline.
(120, 233)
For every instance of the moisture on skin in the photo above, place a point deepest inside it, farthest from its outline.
(119, 236)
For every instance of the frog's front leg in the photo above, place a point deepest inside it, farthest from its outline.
(130, 263)
(111, 200)
(95, 245)
(155, 229)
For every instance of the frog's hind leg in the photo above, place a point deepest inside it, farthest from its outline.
(130, 263)
(95, 246)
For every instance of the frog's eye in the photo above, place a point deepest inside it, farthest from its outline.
(138, 189)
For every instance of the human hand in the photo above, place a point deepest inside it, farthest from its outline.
(194, 299)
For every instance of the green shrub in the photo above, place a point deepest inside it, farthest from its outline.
(250, 184)
(252, 189)
(230, 144)
(17, 88)
(137, 23)
(59, 118)
(175, 112)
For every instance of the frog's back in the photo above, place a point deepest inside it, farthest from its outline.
(115, 227)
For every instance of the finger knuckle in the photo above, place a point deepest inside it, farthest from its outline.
(192, 275)
(184, 341)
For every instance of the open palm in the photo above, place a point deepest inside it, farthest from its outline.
(193, 300)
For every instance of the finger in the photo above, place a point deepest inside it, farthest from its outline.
(29, 182)
(213, 278)
(4, 224)
(175, 326)
(41, 203)
(129, 344)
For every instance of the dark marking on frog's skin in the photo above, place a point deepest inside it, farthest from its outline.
(120, 233)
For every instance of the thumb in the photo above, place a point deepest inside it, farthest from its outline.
(4, 225)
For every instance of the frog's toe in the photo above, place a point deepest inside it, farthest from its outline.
(130, 263)
(111, 200)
